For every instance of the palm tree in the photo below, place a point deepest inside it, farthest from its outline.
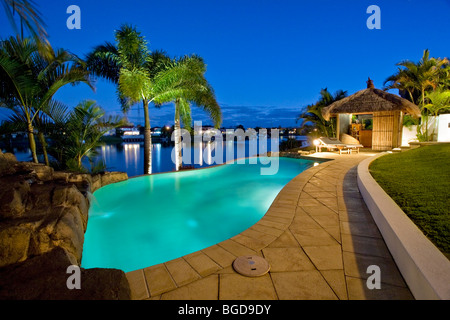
(149, 78)
(30, 79)
(313, 113)
(415, 79)
(127, 66)
(183, 82)
(83, 128)
(45, 122)
(438, 101)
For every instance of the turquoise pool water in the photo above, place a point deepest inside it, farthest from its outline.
(153, 219)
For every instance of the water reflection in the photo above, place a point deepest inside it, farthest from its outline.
(131, 151)
(155, 150)
(129, 157)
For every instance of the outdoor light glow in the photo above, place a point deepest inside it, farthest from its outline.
(316, 142)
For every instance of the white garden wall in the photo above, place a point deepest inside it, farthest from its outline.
(442, 128)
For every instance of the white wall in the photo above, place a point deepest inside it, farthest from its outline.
(408, 135)
(441, 129)
(444, 128)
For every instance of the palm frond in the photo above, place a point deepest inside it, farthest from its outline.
(134, 84)
(418, 77)
(184, 79)
(29, 16)
(56, 111)
(104, 61)
(132, 47)
(313, 113)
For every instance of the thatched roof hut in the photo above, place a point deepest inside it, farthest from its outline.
(387, 110)
(371, 100)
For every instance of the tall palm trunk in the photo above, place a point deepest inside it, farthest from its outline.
(177, 136)
(78, 159)
(426, 111)
(44, 147)
(424, 127)
(147, 141)
(32, 141)
(41, 138)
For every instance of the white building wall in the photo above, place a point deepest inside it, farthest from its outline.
(409, 134)
(438, 131)
(444, 128)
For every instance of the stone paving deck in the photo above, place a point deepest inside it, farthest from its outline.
(318, 237)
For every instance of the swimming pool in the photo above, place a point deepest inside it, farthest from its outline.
(153, 219)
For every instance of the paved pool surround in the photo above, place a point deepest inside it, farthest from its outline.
(318, 237)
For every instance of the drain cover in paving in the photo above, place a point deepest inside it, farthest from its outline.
(251, 266)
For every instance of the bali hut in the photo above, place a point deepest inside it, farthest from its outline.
(386, 110)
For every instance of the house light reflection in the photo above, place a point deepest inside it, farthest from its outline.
(108, 153)
(157, 154)
(131, 151)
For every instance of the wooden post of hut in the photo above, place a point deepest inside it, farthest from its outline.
(387, 110)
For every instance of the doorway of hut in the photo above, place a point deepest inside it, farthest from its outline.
(356, 126)
(361, 129)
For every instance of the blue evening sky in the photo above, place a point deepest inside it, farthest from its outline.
(266, 59)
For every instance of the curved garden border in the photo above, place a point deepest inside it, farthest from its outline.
(425, 269)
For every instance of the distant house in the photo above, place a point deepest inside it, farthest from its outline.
(156, 131)
(129, 133)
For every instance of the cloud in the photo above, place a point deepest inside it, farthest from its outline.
(232, 115)
(262, 116)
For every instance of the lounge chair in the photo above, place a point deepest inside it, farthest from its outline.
(335, 143)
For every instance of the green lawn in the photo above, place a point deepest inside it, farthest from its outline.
(419, 182)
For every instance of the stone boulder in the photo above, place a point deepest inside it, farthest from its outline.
(103, 179)
(37, 217)
(7, 161)
(43, 218)
(45, 277)
(87, 183)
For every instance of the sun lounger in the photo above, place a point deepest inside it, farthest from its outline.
(335, 143)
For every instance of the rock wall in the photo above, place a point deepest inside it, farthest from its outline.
(42, 212)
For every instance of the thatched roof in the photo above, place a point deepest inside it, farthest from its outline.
(370, 100)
